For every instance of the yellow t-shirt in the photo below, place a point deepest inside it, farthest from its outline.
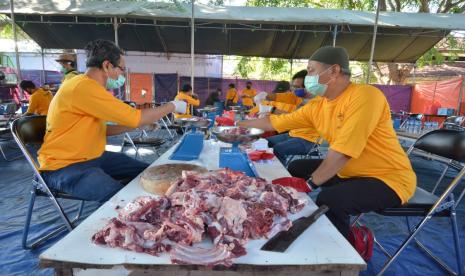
(190, 102)
(288, 98)
(248, 101)
(232, 95)
(358, 124)
(39, 102)
(69, 75)
(76, 123)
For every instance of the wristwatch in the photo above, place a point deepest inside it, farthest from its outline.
(310, 183)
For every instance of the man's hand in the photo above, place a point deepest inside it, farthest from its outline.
(334, 162)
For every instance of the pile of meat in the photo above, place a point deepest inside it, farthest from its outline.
(225, 206)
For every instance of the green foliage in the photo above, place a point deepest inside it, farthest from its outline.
(244, 67)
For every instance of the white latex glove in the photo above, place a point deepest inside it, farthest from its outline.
(179, 106)
(260, 97)
(264, 108)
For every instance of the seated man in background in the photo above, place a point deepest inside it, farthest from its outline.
(68, 66)
(247, 95)
(40, 98)
(190, 98)
(299, 141)
(213, 97)
(286, 100)
(73, 158)
(365, 169)
(232, 96)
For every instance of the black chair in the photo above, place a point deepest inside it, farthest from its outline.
(454, 122)
(445, 146)
(30, 131)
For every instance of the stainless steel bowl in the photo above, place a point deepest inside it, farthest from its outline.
(193, 122)
(228, 134)
(207, 109)
(236, 108)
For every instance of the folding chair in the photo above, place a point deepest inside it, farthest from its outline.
(446, 146)
(314, 151)
(8, 113)
(28, 131)
(454, 122)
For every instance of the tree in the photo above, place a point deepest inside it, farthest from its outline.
(397, 73)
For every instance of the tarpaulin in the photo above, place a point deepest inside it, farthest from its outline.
(49, 77)
(141, 88)
(428, 97)
(398, 96)
(166, 86)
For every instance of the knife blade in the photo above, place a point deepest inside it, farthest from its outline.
(282, 240)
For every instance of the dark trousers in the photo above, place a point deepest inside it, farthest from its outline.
(97, 179)
(347, 197)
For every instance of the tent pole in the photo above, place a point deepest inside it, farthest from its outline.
(459, 107)
(115, 28)
(292, 65)
(334, 35)
(15, 38)
(43, 66)
(373, 41)
(192, 50)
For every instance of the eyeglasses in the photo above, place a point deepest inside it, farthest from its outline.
(121, 68)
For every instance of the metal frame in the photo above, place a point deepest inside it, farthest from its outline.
(39, 187)
(309, 154)
(445, 202)
(127, 139)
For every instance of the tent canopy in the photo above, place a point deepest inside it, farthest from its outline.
(247, 31)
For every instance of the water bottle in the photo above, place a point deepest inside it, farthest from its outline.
(417, 127)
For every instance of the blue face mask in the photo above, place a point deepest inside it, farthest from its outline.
(313, 86)
(115, 84)
(299, 92)
(63, 70)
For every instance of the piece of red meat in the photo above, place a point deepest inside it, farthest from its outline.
(226, 206)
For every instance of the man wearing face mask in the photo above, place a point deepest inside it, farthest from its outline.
(247, 95)
(365, 169)
(68, 66)
(73, 158)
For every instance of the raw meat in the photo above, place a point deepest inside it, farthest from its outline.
(225, 206)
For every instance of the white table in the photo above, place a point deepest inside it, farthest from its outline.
(320, 249)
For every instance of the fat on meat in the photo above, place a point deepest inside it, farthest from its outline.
(225, 206)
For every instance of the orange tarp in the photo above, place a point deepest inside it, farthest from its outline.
(141, 88)
(428, 97)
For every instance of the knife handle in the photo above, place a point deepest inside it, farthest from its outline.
(320, 211)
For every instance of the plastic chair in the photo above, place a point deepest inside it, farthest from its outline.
(446, 146)
(27, 131)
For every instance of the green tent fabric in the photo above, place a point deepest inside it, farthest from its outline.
(290, 33)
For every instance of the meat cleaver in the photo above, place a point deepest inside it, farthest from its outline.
(281, 241)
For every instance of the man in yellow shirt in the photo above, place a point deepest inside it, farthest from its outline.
(73, 158)
(68, 66)
(247, 95)
(365, 169)
(190, 98)
(40, 98)
(232, 96)
(297, 141)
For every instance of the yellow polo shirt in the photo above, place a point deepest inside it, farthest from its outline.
(288, 98)
(251, 93)
(190, 102)
(231, 95)
(358, 124)
(69, 75)
(39, 102)
(76, 123)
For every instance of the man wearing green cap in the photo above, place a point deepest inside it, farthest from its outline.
(365, 169)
